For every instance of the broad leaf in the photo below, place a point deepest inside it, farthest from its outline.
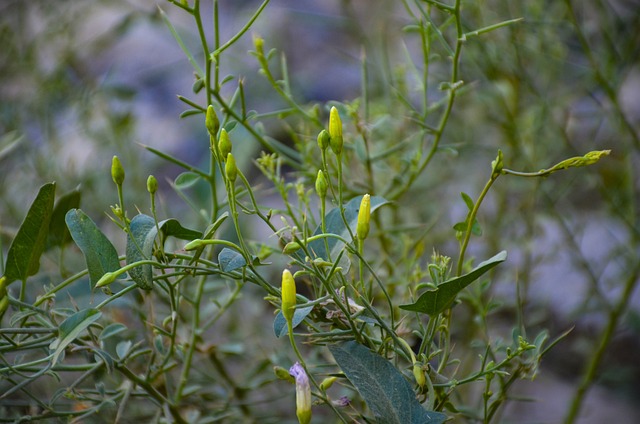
(23, 257)
(230, 260)
(71, 328)
(140, 244)
(435, 301)
(58, 232)
(335, 225)
(385, 390)
(186, 180)
(280, 324)
(100, 255)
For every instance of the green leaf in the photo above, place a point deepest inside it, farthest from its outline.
(71, 328)
(58, 232)
(100, 255)
(434, 302)
(280, 323)
(140, 247)
(385, 390)
(140, 243)
(23, 257)
(335, 225)
(186, 180)
(230, 260)
(467, 200)
(111, 330)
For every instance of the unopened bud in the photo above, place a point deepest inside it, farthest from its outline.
(321, 185)
(418, 374)
(335, 131)
(327, 383)
(152, 184)
(117, 171)
(283, 374)
(211, 122)
(224, 144)
(323, 139)
(230, 168)
(288, 293)
(364, 215)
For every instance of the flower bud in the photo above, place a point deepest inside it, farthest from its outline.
(152, 184)
(323, 139)
(335, 131)
(303, 393)
(288, 293)
(321, 185)
(230, 168)
(211, 122)
(364, 215)
(224, 144)
(418, 374)
(327, 383)
(117, 171)
(291, 247)
(258, 43)
(283, 374)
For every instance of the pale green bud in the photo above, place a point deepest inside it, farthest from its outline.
(117, 171)
(230, 168)
(324, 139)
(211, 122)
(224, 144)
(321, 185)
(152, 184)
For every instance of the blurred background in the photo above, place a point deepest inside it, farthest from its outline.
(83, 81)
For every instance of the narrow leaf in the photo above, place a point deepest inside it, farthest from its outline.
(434, 302)
(385, 390)
(23, 257)
(100, 255)
(71, 328)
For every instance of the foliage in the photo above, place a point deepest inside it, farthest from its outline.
(178, 327)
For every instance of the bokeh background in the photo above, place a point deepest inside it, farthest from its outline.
(83, 81)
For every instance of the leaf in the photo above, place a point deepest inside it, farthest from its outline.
(230, 260)
(23, 257)
(100, 255)
(186, 180)
(71, 328)
(436, 301)
(58, 232)
(111, 330)
(140, 244)
(384, 389)
(140, 240)
(280, 324)
(335, 225)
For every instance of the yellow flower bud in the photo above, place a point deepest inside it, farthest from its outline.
(230, 168)
(288, 291)
(335, 131)
(117, 171)
(283, 374)
(364, 215)
(152, 184)
(224, 144)
(211, 122)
